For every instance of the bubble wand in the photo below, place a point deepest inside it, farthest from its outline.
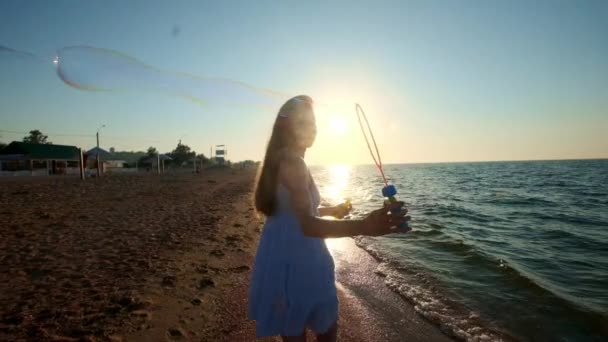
(389, 191)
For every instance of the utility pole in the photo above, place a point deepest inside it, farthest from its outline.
(80, 163)
(97, 154)
(158, 163)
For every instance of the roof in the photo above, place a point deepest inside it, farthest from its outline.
(161, 157)
(103, 154)
(40, 151)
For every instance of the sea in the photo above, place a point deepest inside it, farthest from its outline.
(517, 249)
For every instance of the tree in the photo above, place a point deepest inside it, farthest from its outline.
(151, 152)
(2, 145)
(36, 137)
(112, 150)
(181, 154)
(203, 158)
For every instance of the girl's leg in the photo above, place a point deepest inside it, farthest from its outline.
(330, 336)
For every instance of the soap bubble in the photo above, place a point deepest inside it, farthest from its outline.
(97, 69)
(7, 53)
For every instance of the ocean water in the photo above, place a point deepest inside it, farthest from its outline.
(499, 249)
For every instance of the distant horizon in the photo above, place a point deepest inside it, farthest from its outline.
(368, 164)
(468, 161)
(350, 164)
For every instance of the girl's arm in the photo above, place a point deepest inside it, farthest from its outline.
(337, 211)
(327, 211)
(294, 175)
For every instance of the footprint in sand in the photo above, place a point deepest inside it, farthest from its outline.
(217, 253)
(240, 269)
(143, 314)
(205, 283)
(175, 333)
(233, 238)
(169, 281)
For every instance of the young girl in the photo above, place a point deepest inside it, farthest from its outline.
(293, 283)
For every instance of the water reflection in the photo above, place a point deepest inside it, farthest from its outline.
(335, 185)
(340, 249)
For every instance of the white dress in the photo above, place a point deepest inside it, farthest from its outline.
(293, 282)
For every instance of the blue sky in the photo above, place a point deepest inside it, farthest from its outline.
(440, 80)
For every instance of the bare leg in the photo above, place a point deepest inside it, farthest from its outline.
(330, 336)
(301, 338)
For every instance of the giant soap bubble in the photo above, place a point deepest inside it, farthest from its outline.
(97, 69)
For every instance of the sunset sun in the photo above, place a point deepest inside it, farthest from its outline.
(338, 125)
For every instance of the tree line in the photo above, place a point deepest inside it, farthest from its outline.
(180, 155)
(34, 137)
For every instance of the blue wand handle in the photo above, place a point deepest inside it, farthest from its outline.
(389, 192)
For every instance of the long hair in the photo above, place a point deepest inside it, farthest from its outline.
(282, 136)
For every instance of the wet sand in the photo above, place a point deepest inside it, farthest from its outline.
(149, 258)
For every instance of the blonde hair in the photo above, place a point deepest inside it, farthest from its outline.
(282, 136)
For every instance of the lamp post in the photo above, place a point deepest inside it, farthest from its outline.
(97, 154)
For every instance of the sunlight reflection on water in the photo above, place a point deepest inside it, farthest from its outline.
(333, 192)
(338, 179)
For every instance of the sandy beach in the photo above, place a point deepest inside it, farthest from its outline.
(149, 258)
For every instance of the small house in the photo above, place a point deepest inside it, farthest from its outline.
(21, 159)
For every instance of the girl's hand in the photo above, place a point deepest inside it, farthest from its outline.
(342, 210)
(381, 221)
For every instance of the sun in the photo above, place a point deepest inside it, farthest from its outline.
(338, 125)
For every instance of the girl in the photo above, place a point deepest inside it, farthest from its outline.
(293, 282)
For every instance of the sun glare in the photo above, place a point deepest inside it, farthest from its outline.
(335, 193)
(338, 180)
(338, 125)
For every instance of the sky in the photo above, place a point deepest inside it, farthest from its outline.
(440, 81)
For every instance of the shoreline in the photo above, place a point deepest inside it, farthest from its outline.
(366, 298)
(432, 302)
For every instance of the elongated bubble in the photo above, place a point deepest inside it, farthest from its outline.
(8, 53)
(97, 69)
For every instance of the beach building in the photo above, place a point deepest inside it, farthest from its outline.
(196, 163)
(115, 164)
(156, 162)
(24, 159)
(107, 160)
(91, 157)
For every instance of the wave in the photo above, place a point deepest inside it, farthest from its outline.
(436, 304)
(574, 241)
(417, 287)
(453, 246)
(426, 233)
(458, 212)
(516, 200)
(563, 217)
